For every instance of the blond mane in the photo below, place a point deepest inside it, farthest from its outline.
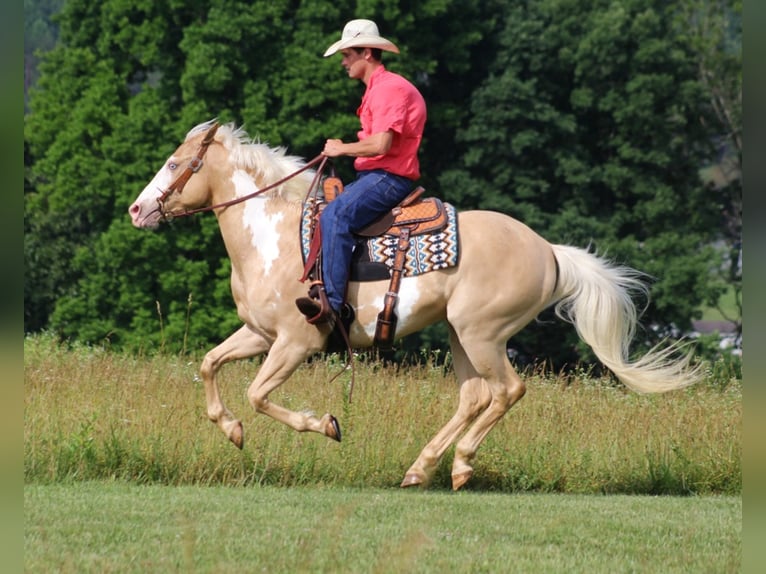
(271, 164)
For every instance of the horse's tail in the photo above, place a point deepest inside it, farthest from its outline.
(595, 296)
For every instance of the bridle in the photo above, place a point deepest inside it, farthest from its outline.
(194, 166)
(196, 163)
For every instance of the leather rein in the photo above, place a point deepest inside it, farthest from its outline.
(196, 163)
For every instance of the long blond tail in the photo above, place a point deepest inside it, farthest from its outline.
(595, 296)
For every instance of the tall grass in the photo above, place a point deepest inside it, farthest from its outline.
(92, 414)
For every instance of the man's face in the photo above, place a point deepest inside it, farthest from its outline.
(354, 62)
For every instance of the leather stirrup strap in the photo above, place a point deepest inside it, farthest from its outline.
(387, 319)
(315, 247)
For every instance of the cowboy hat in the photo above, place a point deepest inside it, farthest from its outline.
(361, 34)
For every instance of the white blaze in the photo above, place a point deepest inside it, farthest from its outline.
(161, 182)
(144, 212)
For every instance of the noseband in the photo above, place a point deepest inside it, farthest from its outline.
(194, 166)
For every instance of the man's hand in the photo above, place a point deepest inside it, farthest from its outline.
(333, 148)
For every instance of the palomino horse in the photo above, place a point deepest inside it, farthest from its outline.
(484, 302)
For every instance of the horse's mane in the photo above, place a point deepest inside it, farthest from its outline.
(271, 163)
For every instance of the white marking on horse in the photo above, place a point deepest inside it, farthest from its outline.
(263, 227)
(409, 295)
(161, 182)
(145, 211)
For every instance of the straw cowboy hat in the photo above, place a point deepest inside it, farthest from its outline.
(361, 34)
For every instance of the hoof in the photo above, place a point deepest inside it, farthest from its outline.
(236, 434)
(332, 429)
(411, 479)
(459, 479)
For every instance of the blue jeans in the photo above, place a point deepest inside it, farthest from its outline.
(369, 196)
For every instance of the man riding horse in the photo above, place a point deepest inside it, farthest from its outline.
(392, 116)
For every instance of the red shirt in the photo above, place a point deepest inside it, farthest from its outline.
(391, 102)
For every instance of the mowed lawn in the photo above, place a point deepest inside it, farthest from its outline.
(122, 527)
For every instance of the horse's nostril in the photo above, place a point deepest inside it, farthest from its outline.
(134, 209)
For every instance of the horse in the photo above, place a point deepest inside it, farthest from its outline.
(257, 192)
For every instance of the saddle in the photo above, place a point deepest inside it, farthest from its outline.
(415, 215)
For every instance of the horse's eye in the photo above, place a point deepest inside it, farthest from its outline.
(172, 165)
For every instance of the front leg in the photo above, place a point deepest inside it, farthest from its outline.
(242, 344)
(283, 359)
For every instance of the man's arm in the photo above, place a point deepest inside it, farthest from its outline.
(376, 144)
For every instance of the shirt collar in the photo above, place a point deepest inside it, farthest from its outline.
(378, 71)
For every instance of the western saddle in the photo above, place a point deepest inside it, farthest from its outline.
(415, 215)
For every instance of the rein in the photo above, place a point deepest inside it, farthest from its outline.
(196, 163)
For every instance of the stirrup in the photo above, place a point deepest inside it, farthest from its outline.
(316, 307)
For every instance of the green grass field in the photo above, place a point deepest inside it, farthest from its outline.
(124, 473)
(114, 527)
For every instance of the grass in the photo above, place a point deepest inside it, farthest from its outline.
(124, 473)
(93, 415)
(117, 527)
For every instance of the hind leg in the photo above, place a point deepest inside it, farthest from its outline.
(474, 398)
(506, 388)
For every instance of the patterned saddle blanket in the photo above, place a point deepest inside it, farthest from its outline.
(373, 257)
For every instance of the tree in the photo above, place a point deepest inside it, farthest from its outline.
(40, 35)
(582, 119)
(128, 80)
(588, 130)
(714, 29)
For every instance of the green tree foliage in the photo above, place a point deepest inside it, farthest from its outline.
(714, 29)
(40, 34)
(580, 118)
(116, 97)
(588, 129)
